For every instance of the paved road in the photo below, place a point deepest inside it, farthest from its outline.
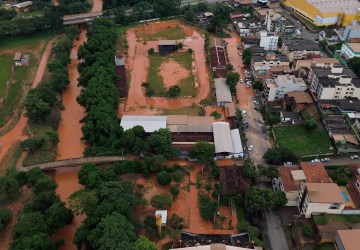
(341, 161)
(275, 232)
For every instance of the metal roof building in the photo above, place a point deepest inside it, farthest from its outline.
(189, 124)
(149, 123)
(223, 94)
(222, 138)
(236, 141)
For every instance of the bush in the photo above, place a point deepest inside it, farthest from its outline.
(175, 222)
(190, 51)
(308, 231)
(180, 45)
(174, 191)
(5, 216)
(173, 91)
(163, 178)
(229, 66)
(207, 207)
(151, 51)
(310, 124)
(161, 201)
(216, 115)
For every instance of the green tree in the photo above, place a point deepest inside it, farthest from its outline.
(161, 143)
(232, 80)
(249, 171)
(207, 207)
(272, 172)
(205, 102)
(229, 66)
(151, 51)
(30, 224)
(255, 200)
(9, 186)
(36, 109)
(247, 61)
(354, 64)
(82, 201)
(161, 201)
(216, 115)
(144, 243)
(277, 156)
(90, 175)
(113, 232)
(175, 222)
(173, 91)
(5, 216)
(307, 230)
(174, 191)
(180, 45)
(203, 151)
(189, 16)
(163, 178)
(258, 85)
(39, 241)
(323, 44)
(310, 124)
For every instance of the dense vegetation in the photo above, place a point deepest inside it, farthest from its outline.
(42, 216)
(107, 203)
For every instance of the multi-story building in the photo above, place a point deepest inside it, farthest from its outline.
(274, 22)
(350, 50)
(352, 31)
(243, 29)
(269, 41)
(266, 66)
(320, 198)
(333, 83)
(325, 13)
(300, 49)
(276, 88)
(321, 62)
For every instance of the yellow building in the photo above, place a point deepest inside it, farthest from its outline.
(326, 12)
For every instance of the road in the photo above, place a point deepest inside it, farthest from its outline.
(246, 97)
(275, 231)
(341, 161)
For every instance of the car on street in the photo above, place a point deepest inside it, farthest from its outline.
(241, 80)
(354, 157)
(288, 163)
(240, 54)
(250, 147)
(256, 102)
(315, 161)
(325, 159)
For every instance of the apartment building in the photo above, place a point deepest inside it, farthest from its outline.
(347, 239)
(350, 50)
(266, 66)
(351, 31)
(321, 62)
(269, 41)
(276, 88)
(320, 198)
(333, 83)
(300, 49)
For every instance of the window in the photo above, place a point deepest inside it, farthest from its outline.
(334, 206)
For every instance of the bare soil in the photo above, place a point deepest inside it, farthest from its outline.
(172, 73)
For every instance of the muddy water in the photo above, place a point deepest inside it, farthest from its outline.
(70, 145)
(67, 181)
(97, 5)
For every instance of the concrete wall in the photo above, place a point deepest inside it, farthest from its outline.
(321, 208)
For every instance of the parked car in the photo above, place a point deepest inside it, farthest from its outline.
(315, 160)
(354, 157)
(250, 147)
(325, 159)
(241, 80)
(288, 163)
(256, 102)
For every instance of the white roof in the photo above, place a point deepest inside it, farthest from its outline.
(222, 137)
(214, 247)
(223, 93)
(163, 214)
(298, 175)
(23, 4)
(236, 141)
(149, 123)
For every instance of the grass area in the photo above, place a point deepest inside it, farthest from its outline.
(325, 247)
(169, 33)
(328, 218)
(302, 141)
(32, 13)
(6, 62)
(30, 41)
(156, 81)
(184, 111)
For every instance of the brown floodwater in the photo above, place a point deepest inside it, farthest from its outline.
(68, 183)
(70, 145)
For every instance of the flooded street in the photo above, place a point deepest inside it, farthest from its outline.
(67, 181)
(70, 145)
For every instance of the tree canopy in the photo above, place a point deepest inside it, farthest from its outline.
(203, 151)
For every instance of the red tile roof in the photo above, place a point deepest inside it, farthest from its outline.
(315, 172)
(286, 178)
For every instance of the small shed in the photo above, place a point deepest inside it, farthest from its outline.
(17, 59)
(121, 74)
(21, 59)
(163, 214)
(24, 6)
(167, 46)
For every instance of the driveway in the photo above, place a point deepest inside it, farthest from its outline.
(246, 97)
(274, 230)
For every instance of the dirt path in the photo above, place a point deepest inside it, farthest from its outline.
(16, 134)
(70, 145)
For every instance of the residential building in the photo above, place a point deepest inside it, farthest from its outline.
(23, 7)
(297, 101)
(330, 12)
(320, 62)
(222, 90)
(289, 117)
(258, 51)
(291, 177)
(353, 186)
(248, 42)
(243, 29)
(333, 83)
(349, 106)
(277, 88)
(268, 41)
(347, 239)
(320, 198)
(350, 50)
(274, 21)
(300, 49)
(271, 65)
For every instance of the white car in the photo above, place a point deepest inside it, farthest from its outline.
(354, 157)
(325, 159)
(289, 163)
(315, 161)
(250, 147)
(256, 102)
(241, 80)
